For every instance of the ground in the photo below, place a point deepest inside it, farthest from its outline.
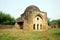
(17, 34)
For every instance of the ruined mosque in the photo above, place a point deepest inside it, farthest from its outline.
(33, 19)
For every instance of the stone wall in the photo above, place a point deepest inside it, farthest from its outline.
(6, 26)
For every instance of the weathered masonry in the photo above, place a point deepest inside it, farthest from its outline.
(33, 19)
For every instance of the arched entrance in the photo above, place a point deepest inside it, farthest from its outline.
(37, 23)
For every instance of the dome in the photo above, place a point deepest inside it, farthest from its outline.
(32, 7)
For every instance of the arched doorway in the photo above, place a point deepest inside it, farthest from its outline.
(37, 22)
(34, 26)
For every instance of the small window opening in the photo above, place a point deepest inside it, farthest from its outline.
(37, 18)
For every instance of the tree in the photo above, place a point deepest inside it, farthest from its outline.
(49, 22)
(18, 19)
(6, 19)
(58, 21)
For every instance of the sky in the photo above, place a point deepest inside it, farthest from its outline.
(17, 7)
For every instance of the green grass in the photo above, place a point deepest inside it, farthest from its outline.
(16, 34)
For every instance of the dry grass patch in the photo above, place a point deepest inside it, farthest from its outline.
(16, 34)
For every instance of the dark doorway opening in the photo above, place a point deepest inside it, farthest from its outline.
(40, 26)
(37, 26)
(20, 24)
(34, 26)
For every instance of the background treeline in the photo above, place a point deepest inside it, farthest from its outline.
(50, 22)
(6, 19)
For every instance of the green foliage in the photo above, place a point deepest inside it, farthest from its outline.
(49, 22)
(58, 21)
(18, 19)
(6, 19)
(53, 21)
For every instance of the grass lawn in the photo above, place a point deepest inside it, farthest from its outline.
(16, 34)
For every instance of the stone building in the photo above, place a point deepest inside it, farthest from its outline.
(33, 19)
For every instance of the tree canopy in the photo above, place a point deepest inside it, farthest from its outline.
(6, 19)
(18, 19)
(53, 21)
